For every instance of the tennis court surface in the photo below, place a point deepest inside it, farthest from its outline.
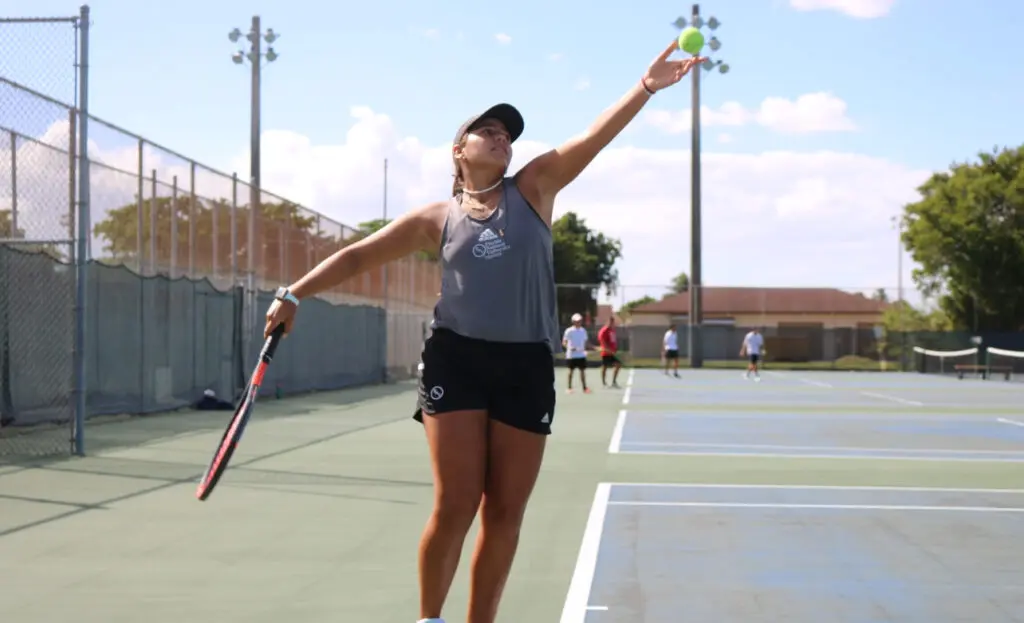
(805, 497)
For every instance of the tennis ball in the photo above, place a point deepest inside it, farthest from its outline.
(691, 40)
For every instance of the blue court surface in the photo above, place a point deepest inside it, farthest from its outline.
(868, 435)
(827, 390)
(827, 415)
(758, 553)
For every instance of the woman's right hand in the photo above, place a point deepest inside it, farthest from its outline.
(280, 312)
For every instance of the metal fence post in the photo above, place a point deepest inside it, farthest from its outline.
(84, 239)
(192, 214)
(140, 202)
(172, 271)
(152, 225)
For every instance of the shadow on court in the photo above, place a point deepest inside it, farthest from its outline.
(104, 433)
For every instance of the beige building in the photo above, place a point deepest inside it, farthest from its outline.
(799, 324)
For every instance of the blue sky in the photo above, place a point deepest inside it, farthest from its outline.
(924, 83)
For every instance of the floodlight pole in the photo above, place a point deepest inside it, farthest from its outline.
(696, 342)
(696, 315)
(255, 56)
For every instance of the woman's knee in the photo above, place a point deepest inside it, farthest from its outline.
(504, 515)
(456, 511)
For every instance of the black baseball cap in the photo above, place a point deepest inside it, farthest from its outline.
(507, 114)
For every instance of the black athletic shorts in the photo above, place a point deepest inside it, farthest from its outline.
(576, 363)
(609, 360)
(514, 383)
(671, 354)
(754, 357)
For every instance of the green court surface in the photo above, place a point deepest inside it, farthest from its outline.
(319, 516)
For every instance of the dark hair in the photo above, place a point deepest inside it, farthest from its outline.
(458, 183)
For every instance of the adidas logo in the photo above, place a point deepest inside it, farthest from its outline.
(546, 419)
(488, 235)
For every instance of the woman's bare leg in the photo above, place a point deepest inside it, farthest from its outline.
(513, 463)
(458, 450)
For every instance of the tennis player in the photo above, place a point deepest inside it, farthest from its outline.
(753, 343)
(609, 343)
(670, 350)
(487, 383)
(575, 340)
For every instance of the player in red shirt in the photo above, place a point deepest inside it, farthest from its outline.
(609, 347)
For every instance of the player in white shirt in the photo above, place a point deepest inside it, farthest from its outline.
(575, 341)
(670, 350)
(753, 344)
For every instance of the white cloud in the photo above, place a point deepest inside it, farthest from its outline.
(582, 84)
(502, 38)
(812, 112)
(861, 9)
(725, 138)
(772, 218)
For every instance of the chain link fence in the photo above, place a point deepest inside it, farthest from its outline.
(38, 219)
(177, 276)
(877, 328)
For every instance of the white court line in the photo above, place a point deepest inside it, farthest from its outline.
(768, 446)
(709, 485)
(912, 403)
(1010, 422)
(867, 507)
(600, 608)
(575, 608)
(813, 382)
(625, 396)
(831, 457)
(629, 379)
(616, 442)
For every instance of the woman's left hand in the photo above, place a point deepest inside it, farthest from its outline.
(663, 72)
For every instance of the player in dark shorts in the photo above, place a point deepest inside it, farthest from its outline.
(608, 340)
(486, 387)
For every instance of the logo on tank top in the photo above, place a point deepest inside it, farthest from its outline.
(489, 246)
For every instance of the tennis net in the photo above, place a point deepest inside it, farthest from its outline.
(958, 362)
(1005, 363)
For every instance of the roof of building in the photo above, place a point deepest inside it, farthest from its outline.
(723, 300)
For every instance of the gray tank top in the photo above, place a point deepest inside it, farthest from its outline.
(497, 274)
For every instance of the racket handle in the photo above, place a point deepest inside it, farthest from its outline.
(270, 346)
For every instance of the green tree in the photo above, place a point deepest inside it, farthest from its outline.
(368, 227)
(59, 252)
(680, 283)
(628, 308)
(967, 234)
(7, 226)
(279, 226)
(584, 260)
(902, 316)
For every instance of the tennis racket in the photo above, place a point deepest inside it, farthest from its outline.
(236, 426)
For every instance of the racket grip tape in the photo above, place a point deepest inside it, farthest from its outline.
(270, 346)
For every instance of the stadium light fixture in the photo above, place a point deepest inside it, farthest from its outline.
(255, 55)
(696, 314)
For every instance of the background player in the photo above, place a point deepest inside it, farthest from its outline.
(670, 350)
(753, 344)
(609, 343)
(575, 342)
